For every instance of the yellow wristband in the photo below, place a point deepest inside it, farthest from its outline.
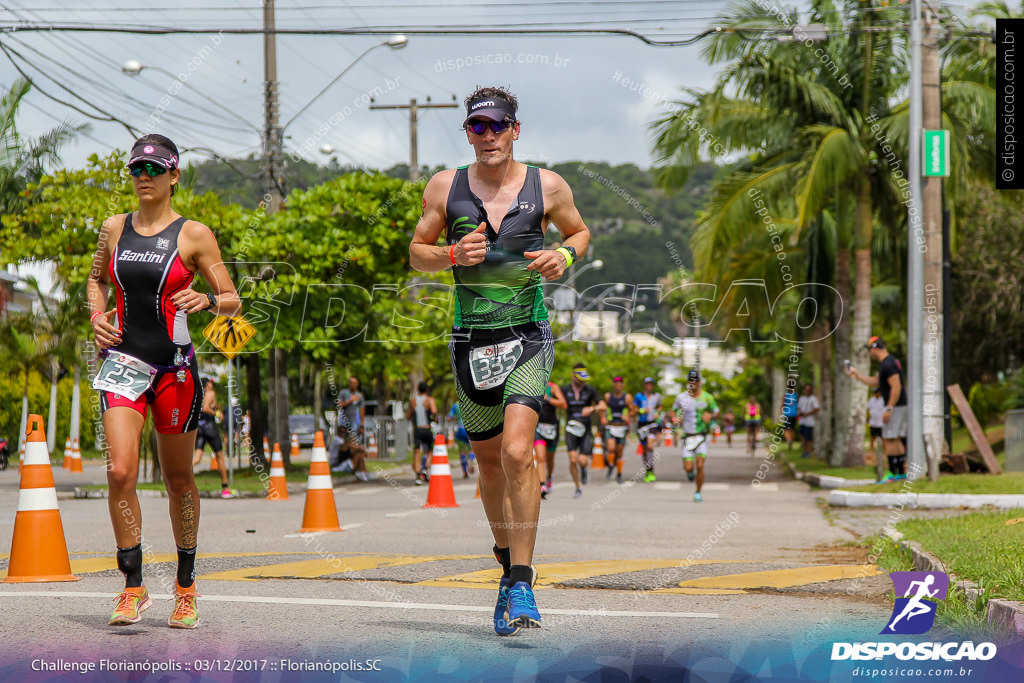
(568, 256)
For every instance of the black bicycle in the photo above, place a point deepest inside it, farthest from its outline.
(5, 453)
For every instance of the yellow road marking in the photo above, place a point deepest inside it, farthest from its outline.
(777, 578)
(323, 566)
(560, 572)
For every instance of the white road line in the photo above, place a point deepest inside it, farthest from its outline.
(370, 603)
(715, 486)
(403, 514)
(767, 486)
(668, 485)
(346, 527)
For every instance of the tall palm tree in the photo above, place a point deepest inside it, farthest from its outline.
(23, 160)
(819, 127)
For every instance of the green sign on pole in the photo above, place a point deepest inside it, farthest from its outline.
(936, 153)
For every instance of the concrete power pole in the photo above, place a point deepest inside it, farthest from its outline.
(931, 205)
(272, 155)
(413, 107)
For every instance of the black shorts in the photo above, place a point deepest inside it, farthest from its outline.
(807, 432)
(875, 431)
(483, 409)
(423, 438)
(581, 444)
(787, 422)
(208, 434)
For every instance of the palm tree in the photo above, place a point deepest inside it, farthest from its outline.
(23, 160)
(819, 130)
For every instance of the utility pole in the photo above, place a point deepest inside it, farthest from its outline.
(932, 266)
(915, 259)
(271, 128)
(413, 107)
(272, 154)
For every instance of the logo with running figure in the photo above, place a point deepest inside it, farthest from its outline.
(917, 599)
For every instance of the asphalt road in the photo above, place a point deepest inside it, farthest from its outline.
(632, 577)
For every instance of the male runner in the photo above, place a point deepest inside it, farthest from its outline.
(494, 214)
(209, 433)
(545, 441)
(462, 440)
(648, 407)
(422, 411)
(622, 408)
(695, 409)
(584, 401)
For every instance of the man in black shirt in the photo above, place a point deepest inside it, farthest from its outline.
(890, 382)
(584, 401)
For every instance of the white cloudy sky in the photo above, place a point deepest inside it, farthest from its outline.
(572, 111)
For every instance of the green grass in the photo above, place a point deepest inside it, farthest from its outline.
(821, 467)
(1008, 482)
(979, 547)
(955, 613)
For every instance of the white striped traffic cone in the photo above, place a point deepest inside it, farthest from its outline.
(39, 551)
(67, 454)
(320, 513)
(278, 488)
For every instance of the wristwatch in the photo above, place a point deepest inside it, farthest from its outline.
(571, 251)
(213, 301)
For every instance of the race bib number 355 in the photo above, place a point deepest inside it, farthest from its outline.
(124, 375)
(490, 366)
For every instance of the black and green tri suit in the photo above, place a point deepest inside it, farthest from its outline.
(502, 348)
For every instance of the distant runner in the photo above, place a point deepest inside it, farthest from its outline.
(694, 409)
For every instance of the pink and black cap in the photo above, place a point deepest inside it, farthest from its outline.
(154, 153)
(493, 108)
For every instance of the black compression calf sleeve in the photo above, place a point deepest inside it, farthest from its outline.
(186, 567)
(129, 561)
(504, 558)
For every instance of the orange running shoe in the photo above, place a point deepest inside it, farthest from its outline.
(185, 614)
(131, 603)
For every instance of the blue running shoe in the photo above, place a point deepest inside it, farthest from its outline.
(696, 497)
(501, 624)
(522, 608)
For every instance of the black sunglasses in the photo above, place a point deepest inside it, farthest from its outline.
(497, 127)
(152, 170)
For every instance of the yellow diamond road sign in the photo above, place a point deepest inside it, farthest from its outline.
(229, 335)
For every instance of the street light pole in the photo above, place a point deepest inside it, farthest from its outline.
(915, 259)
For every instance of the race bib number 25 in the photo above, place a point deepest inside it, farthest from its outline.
(491, 365)
(124, 375)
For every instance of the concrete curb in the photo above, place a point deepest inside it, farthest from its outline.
(838, 497)
(929, 501)
(1006, 614)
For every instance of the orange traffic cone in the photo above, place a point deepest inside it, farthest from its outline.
(294, 455)
(640, 449)
(320, 513)
(669, 442)
(266, 447)
(371, 448)
(598, 452)
(67, 454)
(214, 466)
(278, 485)
(442, 492)
(38, 549)
(477, 489)
(76, 456)
(21, 454)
